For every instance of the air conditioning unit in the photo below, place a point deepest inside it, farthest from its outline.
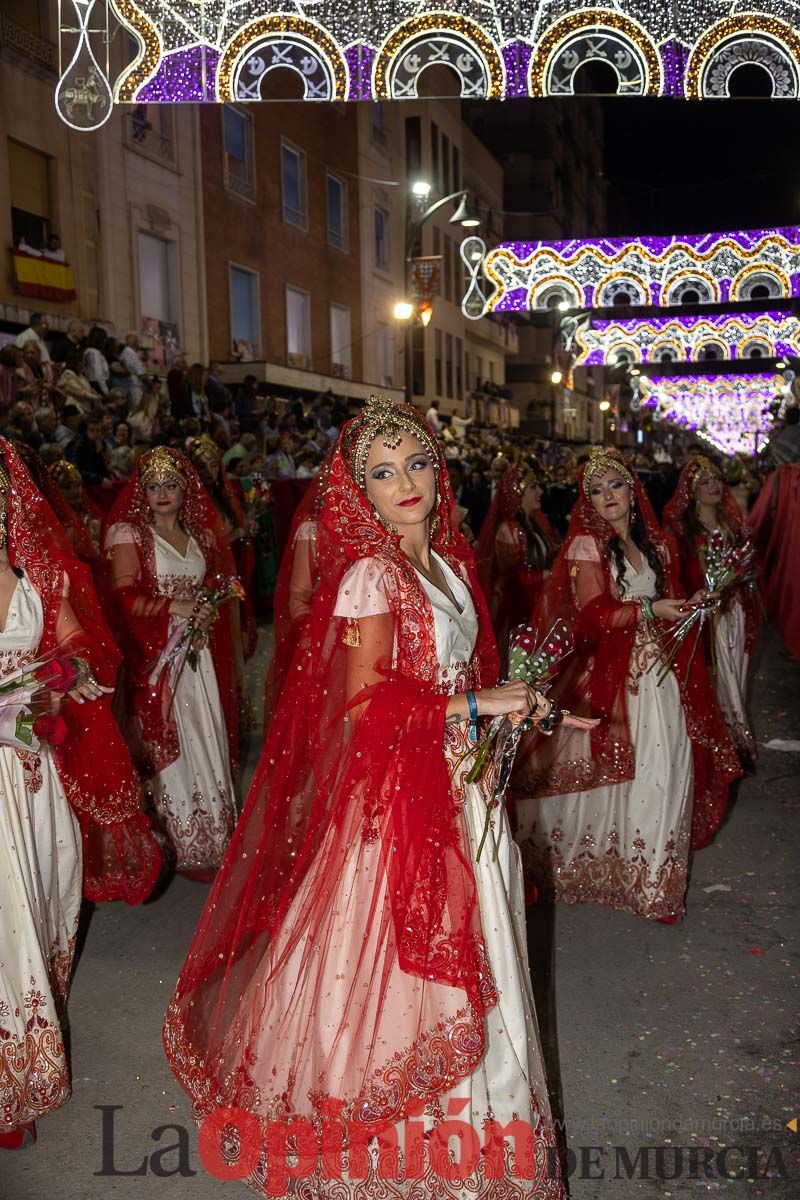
(298, 360)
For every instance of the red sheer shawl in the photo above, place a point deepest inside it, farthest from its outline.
(297, 581)
(142, 624)
(691, 568)
(121, 859)
(775, 523)
(344, 792)
(593, 682)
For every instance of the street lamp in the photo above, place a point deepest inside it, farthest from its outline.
(556, 377)
(466, 215)
(604, 405)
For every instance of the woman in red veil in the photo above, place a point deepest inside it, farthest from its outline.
(703, 503)
(69, 799)
(606, 817)
(355, 966)
(165, 542)
(775, 522)
(515, 551)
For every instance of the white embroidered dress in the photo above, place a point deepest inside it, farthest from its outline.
(40, 899)
(194, 795)
(625, 845)
(509, 1082)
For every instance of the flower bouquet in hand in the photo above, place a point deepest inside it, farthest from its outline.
(258, 498)
(535, 663)
(29, 699)
(725, 568)
(188, 638)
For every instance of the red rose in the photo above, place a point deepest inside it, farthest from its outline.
(58, 675)
(50, 728)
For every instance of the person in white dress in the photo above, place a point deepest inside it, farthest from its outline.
(703, 505)
(609, 817)
(55, 794)
(165, 542)
(363, 968)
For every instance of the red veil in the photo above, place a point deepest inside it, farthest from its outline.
(339, 789)
(121, 859)
(143, 624)
(582, 590)
(775, 522)
(691, 569)
(510, 584)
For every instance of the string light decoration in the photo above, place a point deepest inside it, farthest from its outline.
(710, 268)
(731, 412)
(687, 339)
(355, 50)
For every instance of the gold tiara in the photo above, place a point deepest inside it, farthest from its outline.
(601, 460)
(702, 466)
(63, 471)
(384, 418)
(160, 464)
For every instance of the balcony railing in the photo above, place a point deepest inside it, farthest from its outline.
(26, 42)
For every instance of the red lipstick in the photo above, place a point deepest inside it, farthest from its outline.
(410, 502)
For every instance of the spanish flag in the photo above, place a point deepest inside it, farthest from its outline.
(43, 277)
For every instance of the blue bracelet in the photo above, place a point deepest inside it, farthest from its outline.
(472, 705)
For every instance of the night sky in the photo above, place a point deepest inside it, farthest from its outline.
(708, 166)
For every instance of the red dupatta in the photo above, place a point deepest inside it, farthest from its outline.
(336, 786)
(121, 859)
(691, 568)
(143, 611)
(594, 681)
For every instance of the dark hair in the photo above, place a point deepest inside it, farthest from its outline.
(36, 318)
(74, 360)
(96, 338)
(539, 554)
(648, 549)
(71, 410)
(792, 415)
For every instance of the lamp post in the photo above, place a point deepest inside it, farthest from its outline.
(466, 215)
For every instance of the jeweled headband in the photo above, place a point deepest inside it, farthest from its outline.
(62, 471)
(204, 447)
(160, 464)
(383, 418)
(601, 461)
(702, 466)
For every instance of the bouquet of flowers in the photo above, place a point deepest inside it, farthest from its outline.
(27, 712)
(535, 663)
(725, 568)
(258, 498)
(186, 641)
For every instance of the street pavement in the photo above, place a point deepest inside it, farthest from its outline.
(668, 1047)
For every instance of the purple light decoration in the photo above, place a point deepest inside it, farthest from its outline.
(513, 301)
(673, 64)
(703, 243)
(684, 324)
(359, 63)
(517, 56)
(179, 77)
(726, 409)
(631, 324)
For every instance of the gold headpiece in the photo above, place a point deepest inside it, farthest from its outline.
(63, 472)
(601, 460)
(702, 466)
(204, 446)
(161, 464)
(384, 417)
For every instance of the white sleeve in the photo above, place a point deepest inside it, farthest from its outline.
(584, 547)
(362, 592)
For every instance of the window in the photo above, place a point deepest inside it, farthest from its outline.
(337, 213)
(456, 168)
(298, 327)
(158, 279)
(293, 185)
(243, 285)
(418, 360)
(151, 130)
(435, 183)
(448, 364)
(438, 362)
(447, 268)
(238, 158)
(445, 164)
(381, 238)
(386, 352)
(459, 369)
(378, 124)
(413, 146)
(341, 357)
(29, 173)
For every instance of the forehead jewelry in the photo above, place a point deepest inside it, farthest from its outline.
(160, 466)
(601, 461)
(382, 418)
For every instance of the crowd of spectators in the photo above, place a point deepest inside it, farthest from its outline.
(88, 397)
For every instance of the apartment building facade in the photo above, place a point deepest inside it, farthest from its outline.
(124, 201)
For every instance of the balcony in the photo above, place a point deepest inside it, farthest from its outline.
(39, 53)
